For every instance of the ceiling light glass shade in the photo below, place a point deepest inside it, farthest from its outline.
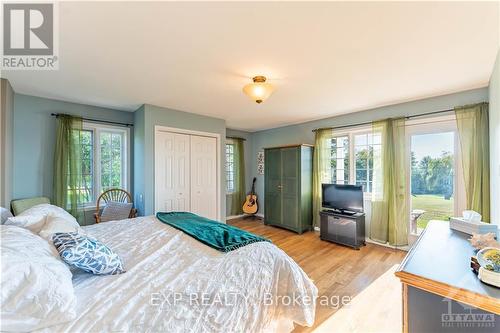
(259, 90)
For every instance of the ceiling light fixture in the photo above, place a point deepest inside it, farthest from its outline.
(259, 90)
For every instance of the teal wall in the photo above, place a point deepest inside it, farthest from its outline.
(150, 116)
(34, 140)
(139, 150)
(6, 144)
(302, 133)
(247, 146)
(494, 92)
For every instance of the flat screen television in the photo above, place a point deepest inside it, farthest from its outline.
(345, 198)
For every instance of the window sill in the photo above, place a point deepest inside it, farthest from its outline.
(88, 208)
(85, 208)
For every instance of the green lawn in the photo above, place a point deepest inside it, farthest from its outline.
(436, 207)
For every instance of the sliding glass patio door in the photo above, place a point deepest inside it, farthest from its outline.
(435, 184)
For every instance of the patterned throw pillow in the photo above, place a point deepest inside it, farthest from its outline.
(115, 211)
(87, 254)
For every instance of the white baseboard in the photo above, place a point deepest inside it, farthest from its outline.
(403, 248)
(242, 215)
(233, 217)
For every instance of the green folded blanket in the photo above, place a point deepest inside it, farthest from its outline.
(219, 236)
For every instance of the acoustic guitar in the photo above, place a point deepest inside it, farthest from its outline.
(250, 206)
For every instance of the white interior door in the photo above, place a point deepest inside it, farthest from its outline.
(204, 176)
(172, 172)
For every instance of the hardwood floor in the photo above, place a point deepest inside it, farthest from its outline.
(336, 270)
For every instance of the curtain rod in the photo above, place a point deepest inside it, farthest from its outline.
(235, 138)
(99, 121)
(370, 122)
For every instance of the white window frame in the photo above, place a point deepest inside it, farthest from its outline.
(96, 129)
(350, 133)
(336, 136)
(434, 125)
(229, 142)
(352, 153)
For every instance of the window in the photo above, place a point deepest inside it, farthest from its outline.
(339, 160)
(86, 189)
(365, 145)
(436, 192)
(352, 158)
(230, 168)
(111, 160)
(104, 161)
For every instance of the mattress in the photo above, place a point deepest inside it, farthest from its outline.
(174, 283)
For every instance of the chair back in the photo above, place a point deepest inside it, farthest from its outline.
(113, 194)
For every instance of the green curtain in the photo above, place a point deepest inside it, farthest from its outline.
(239, 194)
(389, 213)
(473, 132)
(67, 171)
(321, 169)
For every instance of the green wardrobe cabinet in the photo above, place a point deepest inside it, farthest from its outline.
(288, 187)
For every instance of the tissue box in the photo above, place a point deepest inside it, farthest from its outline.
(471, 227)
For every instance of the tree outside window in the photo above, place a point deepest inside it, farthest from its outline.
(230, 167)
(103, 160)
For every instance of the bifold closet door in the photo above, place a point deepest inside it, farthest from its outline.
(172, 172)
(204, 176)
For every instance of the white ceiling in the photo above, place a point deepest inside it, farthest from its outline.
(324, 58)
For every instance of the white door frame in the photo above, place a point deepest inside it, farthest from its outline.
(438, 124)
(159, 128)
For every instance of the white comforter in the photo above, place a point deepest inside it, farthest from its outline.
(174, 283)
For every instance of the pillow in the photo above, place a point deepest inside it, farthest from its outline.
(46, 209)
(116, 211)
(4, 215)
(36, 285)
(34, 223)
(87, 253)
(20, 205)
(56, 224)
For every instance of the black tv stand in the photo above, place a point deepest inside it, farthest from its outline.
(340, 211)
(346, 228)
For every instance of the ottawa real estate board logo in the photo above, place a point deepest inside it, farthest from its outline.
(30, 39)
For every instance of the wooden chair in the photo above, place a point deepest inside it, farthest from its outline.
(117, 195)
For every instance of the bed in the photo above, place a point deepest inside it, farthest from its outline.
(174, 283)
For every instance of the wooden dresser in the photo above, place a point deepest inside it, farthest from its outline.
(440, 291)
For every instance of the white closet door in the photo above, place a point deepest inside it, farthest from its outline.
(204, 176)
(172, 167)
